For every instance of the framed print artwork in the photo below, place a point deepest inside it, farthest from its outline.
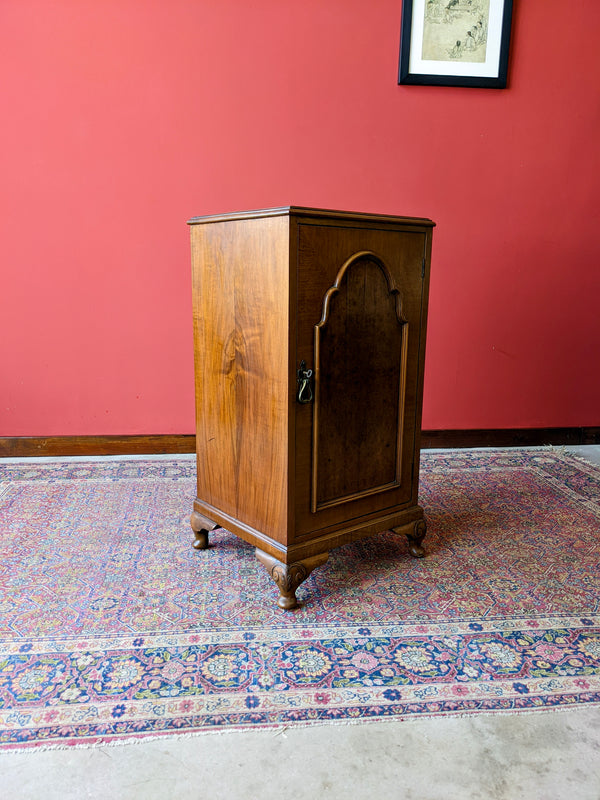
(455, 42)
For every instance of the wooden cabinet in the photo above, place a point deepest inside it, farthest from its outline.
(309, 338)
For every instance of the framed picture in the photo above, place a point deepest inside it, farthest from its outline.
(455, 42)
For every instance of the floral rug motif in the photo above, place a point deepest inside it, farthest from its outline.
(112, 627)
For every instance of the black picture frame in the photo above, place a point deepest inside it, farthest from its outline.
(429, 32)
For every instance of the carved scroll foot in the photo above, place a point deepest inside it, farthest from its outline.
(288, 577)
(415, 533)
(201, 526)
(416, 537)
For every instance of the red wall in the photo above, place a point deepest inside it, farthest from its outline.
(123, 118)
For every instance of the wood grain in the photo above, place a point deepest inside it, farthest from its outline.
(241, 330)
(47, 446)
(360, 365)
(322, 249)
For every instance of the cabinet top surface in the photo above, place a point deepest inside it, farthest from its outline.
(300, 211)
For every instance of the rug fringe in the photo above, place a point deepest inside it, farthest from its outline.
(280, 729)
(578, 457)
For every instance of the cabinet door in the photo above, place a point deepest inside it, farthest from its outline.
(359, 303)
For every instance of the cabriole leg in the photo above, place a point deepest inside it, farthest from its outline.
(201, 526)
(288, 577)
(415, 533)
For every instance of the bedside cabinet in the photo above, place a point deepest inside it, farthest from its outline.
(309, 340)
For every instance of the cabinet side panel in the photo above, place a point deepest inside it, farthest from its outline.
(241, 309)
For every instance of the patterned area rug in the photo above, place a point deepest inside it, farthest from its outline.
(112, 627)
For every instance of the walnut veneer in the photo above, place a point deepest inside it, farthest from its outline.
(309, 336)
